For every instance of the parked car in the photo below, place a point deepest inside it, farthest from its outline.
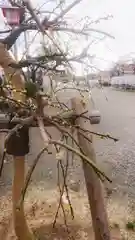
(124, 82)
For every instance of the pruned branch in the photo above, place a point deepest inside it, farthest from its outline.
(61, 15)
(28, 177)
(93, 165)
(85, 32)
(33, 14)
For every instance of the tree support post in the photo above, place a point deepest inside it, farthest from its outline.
(93, 183)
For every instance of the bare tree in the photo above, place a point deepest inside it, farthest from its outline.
(27, 104)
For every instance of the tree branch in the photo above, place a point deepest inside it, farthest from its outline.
(85, 158)
(67, 10)
(80, 31)
(33, 14)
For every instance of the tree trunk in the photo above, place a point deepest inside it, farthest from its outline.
(20, 225)
(17, 81)
(93, 183)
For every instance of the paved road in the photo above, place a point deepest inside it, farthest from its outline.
(117, 159)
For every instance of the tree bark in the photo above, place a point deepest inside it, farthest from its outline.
(93, 183)
(16, 79)
(20, 224)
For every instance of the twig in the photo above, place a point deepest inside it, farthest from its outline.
(97, 134)
(71, 88)
(33, 14)
(85, 158)
(72, 144)
(86, 137)
(60, 201)
(79, 31)
(63, 130)
(64, 173)
(28, 177)
(61, 192)
(42, 29)
(2, 161)
(66, 10)
(19, 103)
(4, 130)
(60, 103)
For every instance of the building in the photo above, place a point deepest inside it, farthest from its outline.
(122, 68)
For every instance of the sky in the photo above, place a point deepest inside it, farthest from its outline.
(120, 26)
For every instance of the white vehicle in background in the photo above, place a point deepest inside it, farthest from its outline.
(126, 82)
(93, 83)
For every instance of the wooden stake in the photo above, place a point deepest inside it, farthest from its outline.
(93, 183)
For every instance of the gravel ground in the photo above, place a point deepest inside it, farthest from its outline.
(117, 159)
(118, 119)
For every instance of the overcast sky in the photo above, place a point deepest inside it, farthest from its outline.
(121, 26)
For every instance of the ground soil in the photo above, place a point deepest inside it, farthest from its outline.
(41, 214)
